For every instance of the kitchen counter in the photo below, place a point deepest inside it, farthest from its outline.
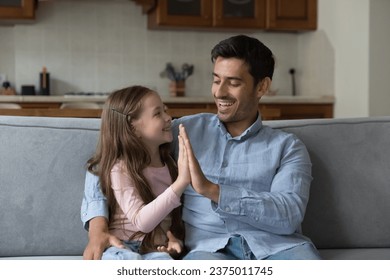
(271, 107)
(277, 99)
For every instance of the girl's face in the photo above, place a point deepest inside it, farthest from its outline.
(153, 125)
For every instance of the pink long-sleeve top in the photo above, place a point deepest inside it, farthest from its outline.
(132, 214)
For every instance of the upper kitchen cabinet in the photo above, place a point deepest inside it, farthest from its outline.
(292, 15)
(239, 13)
(208, 13)
(179, 13)
(273, 15)
(17, 10)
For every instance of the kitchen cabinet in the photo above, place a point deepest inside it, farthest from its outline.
(176, 13)
(239, 14)
(271, 107)
(15, 10)
(287, 111)
(272, 15)
(206, 13)
(282, 111)
(268, 112)
(52, 112)
(292, 15)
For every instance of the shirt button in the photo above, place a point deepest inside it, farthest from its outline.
(224, 164)
(227, 209)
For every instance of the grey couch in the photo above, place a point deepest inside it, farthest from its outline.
(42, 180)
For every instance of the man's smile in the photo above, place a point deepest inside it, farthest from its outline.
(225, 104)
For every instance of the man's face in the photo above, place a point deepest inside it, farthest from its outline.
(235, 94)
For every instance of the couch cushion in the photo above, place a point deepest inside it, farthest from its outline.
(349, 204)
(42, 181)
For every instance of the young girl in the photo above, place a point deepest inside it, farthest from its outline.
(141, 181)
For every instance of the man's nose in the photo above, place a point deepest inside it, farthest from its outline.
(220, 90)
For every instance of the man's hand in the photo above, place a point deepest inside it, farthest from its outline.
(199, 181)
(99, 239)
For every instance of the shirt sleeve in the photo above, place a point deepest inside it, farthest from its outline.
(282, 209)
(94, 203)
(145, 217)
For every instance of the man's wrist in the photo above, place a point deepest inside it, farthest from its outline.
(98, 224)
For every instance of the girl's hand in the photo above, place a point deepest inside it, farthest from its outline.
(174, 246)
(183, 178)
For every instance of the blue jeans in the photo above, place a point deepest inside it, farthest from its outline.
(131, 252)
(238, 249)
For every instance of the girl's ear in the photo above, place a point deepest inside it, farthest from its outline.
(263, 86)
(134, 127)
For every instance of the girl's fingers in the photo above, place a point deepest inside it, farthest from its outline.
(186, 141)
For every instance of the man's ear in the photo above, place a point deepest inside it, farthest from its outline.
(263, 86)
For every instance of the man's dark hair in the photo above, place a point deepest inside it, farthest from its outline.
(256, 55)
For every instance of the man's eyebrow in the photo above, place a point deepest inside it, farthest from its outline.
(229, 78)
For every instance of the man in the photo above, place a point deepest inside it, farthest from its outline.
(249, 183)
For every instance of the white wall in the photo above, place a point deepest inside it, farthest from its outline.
(345, 25)
(7, 54)
(379, 66)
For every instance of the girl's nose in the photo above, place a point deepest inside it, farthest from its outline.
(168, 118)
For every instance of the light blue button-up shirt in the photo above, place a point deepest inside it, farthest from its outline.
(264, 177)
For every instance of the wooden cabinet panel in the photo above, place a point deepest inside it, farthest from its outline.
(236, 14)
(177, 110)
(194, 13)
(269, 111)
(292, 14)
(44, 105)
(296, 111)
(52, 112)
(280, 111)
(19, 10)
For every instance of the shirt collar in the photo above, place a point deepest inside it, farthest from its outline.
(252, 130)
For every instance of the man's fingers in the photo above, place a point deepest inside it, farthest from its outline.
(97, 256)
(87, 255)
(92, 253)
(114, 241)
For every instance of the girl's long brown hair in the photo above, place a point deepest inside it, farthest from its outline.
(118, 141)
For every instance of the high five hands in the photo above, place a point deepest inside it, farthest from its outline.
(199, 181)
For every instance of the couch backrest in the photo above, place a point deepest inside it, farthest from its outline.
(42, 181)
(41, 184)
(349, 202)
